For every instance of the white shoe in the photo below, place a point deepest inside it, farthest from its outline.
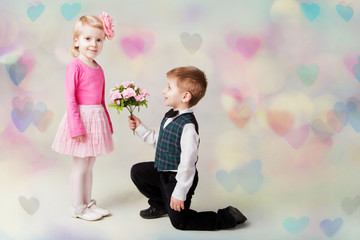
(83, 212)
(92, 206)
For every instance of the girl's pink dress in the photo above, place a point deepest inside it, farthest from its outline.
(86, 113)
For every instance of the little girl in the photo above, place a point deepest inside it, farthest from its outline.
(86, 129)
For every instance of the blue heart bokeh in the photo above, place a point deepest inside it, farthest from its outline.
(35, 11)
(70, 11)
(311, 11)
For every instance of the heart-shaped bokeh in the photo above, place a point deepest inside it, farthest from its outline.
(69, 11)
(19, 67)
(137, 44)
(35, 11)
(347, 113)
(297, 136)
(324, 130)
(245, 45)
(17, 71)
(238, 109)
(341, 112)
(331, 227)
(308, 74)
(248, 46)
(296, 226)
(310, 11)
(192, 43)
(21, 113)
(229, 181)
(41, 116)
(249, 177)
(346, 12)
(280, 121)
(350, 205)
(30, 205)
(334, 120)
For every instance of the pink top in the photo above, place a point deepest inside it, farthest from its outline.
(84, 85)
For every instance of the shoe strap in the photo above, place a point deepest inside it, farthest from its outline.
(92, 202)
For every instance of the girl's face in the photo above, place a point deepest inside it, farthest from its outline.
(90, 43)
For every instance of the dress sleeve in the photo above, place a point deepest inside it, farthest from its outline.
(104, 105)
(75, 124)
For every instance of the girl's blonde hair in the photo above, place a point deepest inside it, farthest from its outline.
(92, 21)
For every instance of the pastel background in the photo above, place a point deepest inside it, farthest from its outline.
(279, 124)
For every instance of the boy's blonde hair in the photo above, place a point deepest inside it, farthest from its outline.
(91, 21)
(190, 79)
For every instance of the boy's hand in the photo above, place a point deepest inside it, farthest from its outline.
(134, 123)
(176, 204)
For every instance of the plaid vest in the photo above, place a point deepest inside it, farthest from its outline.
(168, 149)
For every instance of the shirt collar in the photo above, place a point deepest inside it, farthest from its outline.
(189, 110)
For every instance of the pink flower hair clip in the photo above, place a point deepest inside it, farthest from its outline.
(108, 25)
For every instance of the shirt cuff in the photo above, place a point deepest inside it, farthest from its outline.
(179, 193)
(141, 130)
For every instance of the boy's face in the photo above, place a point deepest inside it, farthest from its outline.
(174, 96)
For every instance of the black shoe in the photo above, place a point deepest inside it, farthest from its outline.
(152, 212)
(237, 215)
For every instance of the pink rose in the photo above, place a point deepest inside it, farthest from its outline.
(127, 84)
(108, 25)
(111, 91)
(144, 92)
(129, 92)
(139, 98)
(116, 95)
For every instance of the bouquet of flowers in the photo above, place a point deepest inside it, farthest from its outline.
(128, 95)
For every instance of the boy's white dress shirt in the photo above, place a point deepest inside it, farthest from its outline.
(189, 152)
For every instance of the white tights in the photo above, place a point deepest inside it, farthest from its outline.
(81, 180)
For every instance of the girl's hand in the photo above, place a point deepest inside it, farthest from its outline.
(79, 138)
(134, 123)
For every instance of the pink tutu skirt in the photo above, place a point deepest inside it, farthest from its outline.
(98, 140)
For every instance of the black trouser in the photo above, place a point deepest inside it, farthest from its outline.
(158, 187)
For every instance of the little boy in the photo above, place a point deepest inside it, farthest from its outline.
(170, 181)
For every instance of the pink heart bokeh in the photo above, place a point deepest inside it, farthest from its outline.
(19, 103)
(239, 110)
(280, 121)
(137, 44)
(297, 136)
(247, 46)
